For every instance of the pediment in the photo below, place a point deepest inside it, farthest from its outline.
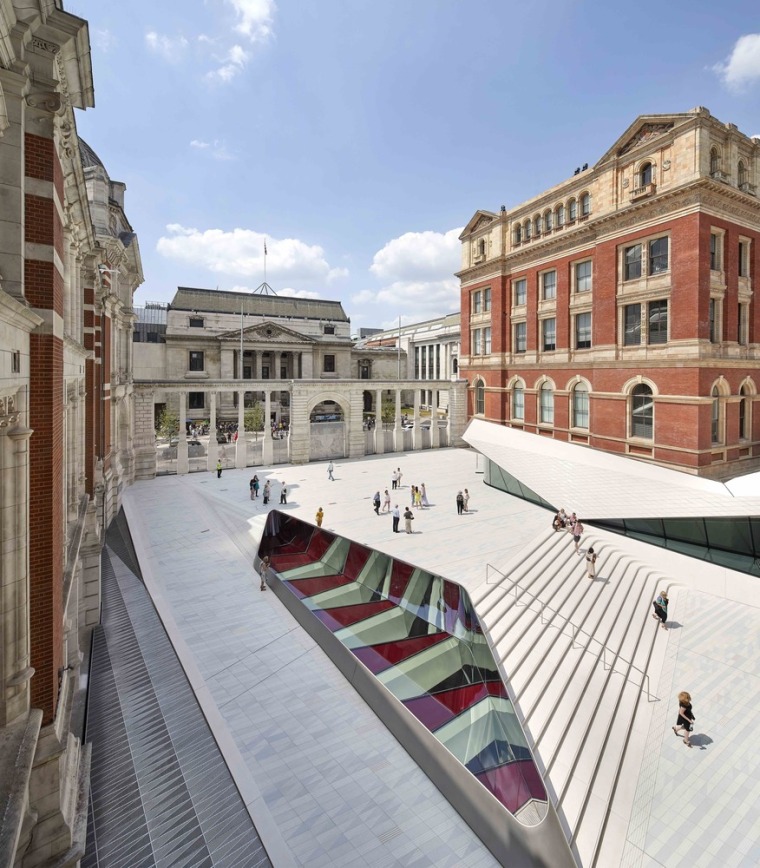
(645, 129)
(267, 332)
(478, 221)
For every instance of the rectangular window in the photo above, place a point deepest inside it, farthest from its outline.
(713, 311)
(476, 302)
(196, 360)
(583, 276)
(743, 259)
(196, 322)
(329, 366)
(487, 341)
(416, 363)
(196, 400)
(549, 334)
(658, 255)
(521, 291)
(549, 285)
(329, 330)
(265, 372)
(715, 258)
(283, 372)
(632, 325)
(521, 337)
(518, 403)
(476, 345)
(632, 269)
(438, 356)
(657, 313)
(16, 362)
(487, 299)
(583, 331)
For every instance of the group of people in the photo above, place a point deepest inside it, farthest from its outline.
(266, 492)
(571, 523)
(463, 502)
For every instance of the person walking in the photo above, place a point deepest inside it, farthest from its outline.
(460, 503)
(386, 501)
(283, 493)
(219, 469)
(686, 717)
(266, 492)
(466, 503)
(250, 485)
(417, 497)
(255, 481)
(577, 531)
(376, 502)
(424, 495)
(396, 513)
(661, 609)
(590, 563)
(408, 519)
(394, 480)
(399, 474)
(319, 516)
(263, 570)
(330, 469)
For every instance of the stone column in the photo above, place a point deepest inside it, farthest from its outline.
(398, 431)
(212, 453)
(435, 432)
(183, 462)
(240, 444)
(417, 430)
(356, 445)
(267, 448)
(457, 411)
(379, 430)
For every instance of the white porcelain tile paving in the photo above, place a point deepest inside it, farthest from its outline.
(335, 782)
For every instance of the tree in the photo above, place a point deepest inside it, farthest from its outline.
(254, 418)
(388, 410)
(167, 425)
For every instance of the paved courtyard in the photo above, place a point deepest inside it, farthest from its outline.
(324, 780)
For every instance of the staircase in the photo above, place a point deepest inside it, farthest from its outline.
(575, 655)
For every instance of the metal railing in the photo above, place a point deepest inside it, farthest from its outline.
(515, 585)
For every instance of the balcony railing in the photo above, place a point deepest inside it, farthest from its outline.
(643, 191)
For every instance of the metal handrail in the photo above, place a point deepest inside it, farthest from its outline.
(602, 652)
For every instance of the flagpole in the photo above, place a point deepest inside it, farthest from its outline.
(240, 366)
(265, 260)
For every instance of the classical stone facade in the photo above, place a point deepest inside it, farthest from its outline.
(617, 309)
(66, 282)
(429, 350)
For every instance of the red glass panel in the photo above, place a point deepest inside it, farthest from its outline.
(344, 616)
(436, 709)
(309, 587)
(381, 656)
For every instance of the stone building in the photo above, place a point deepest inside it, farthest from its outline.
(616, 309)
(429, 349)
(69, 263)
(215, 353)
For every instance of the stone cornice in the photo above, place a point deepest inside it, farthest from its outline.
(17, 313)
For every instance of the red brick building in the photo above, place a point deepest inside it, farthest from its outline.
(617, 308)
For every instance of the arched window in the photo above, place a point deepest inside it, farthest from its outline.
(547, 221)
(518, 401)
(480, 398)
(645, 175)
(560, 221)
(482, 247)
(537, 224)
(580, 406)
(572, 210)
(526, 230)
(742, 173)
(642, 411)
(546, 404)
(744, 414)
(585, 204)
(715, 419)
(518, 234)
(714, 161)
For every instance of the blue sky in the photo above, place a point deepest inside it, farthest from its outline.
(359, 136)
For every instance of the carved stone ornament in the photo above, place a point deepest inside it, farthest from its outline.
(484, 221)
(49, 100)
(9, 415)
(268, 332)
(665, 165)
(625, 182)
(645, 134)
(44, 45)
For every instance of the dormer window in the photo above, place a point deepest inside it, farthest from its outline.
(645, 175)
(329, 330)
(196, 322)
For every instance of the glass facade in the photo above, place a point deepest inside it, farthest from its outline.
(419, 635)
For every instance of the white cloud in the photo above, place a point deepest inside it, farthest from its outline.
(216, 149)
(298, 293)
(171, 48)
(417, 270)
(742, 66)
(256, 18)
(240, 252)
(103, 39)
(231, 65)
